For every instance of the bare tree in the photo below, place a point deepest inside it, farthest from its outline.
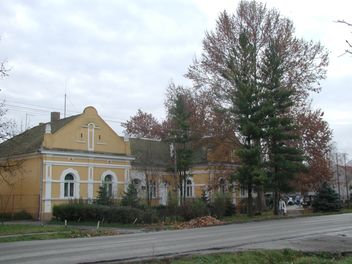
(11, 169)
(349, 44)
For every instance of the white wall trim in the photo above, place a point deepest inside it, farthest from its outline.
(90, 182)
(91, 135)
(48, 176)
(85, 155)
(85, 164)
(127, 178)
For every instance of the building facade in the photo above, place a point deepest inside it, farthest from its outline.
(71, 158)
(65, 159)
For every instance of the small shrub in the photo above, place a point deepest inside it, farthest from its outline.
(150, 216)
(243, 206)
(185, 211)
(193, 209)
(199, 208)
(103, 198)
(130, 197)
(222, 205)
(22, 215)
(5, 216)
(327, 200)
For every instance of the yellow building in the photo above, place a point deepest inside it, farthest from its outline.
(70, 158)
(62, 160)
(213, 164)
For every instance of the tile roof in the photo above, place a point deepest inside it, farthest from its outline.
(30, 141)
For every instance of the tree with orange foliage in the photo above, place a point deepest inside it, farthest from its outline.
(316, 137)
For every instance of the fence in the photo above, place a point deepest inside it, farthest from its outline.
(13, 203)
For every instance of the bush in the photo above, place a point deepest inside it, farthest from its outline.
(222, 205)
(94, 212)
(150, 216)
(21, 215)
(130, 197)
(168, 213)
(193, 209)
(327, 200)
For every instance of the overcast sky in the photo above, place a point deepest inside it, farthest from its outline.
(119, 56)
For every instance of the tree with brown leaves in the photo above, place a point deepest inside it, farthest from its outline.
(143, 125)
(304, 66)
(304, 63)
(315, 140)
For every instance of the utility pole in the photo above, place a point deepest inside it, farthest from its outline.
(346, 182)
(65, 99)
(338, 175)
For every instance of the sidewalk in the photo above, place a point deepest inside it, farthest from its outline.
(120, 230)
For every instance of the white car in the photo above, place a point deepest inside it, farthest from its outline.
(290, 201)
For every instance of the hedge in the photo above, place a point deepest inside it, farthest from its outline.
(94, 212)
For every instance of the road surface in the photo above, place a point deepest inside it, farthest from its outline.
(332, 233)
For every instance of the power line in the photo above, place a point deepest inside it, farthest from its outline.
(41, 110)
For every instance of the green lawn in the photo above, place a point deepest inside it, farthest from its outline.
(260, 257)
(22, 232)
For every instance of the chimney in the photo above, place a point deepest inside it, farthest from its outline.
(55, 116)
(48, 128)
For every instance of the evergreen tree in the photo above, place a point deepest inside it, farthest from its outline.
(103, 198)
(246, 111)
(327, 200)
(180, 136)
(130, 197)
(283, 158)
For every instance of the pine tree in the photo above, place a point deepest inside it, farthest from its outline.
(103, 197)
(246, 111)
(130, 197)
(283, 158)
(180, 135)
(327, 200)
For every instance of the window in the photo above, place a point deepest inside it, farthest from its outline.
(69, 186)
(107, 183)
(189, 188)
(243, 191)
(222, 185)
(152, 189)
(137, 184)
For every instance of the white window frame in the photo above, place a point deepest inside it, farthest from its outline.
(189, 187)
(152, 189)
(76, 184)
(113, 181)
(222, 187)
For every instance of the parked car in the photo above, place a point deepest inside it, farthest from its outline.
(290, 201)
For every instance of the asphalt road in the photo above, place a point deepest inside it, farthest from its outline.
(333, 233)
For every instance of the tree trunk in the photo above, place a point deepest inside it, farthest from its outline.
(249, 201)
(260, 199)
(276, 202)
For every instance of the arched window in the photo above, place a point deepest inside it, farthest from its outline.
(152, 189)
(222, 185)
(69, 186)
(107, 183)
(189, 188)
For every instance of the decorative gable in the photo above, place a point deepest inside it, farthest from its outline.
(87, 132)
